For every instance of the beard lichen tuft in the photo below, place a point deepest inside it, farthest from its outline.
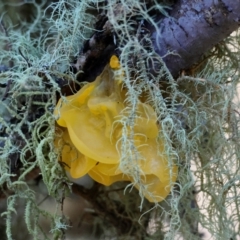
(188, 127)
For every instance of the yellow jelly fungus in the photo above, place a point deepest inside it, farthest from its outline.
(114, 62)
(92, 122)
(74, 161)
(107, 178)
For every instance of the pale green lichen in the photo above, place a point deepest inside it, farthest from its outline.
(199, 116)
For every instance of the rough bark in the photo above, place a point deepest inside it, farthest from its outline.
(193, 28)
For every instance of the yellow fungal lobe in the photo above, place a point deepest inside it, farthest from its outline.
(92, 132)
(114, 62)
(74, 161)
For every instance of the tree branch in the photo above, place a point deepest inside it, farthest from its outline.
(193, 28)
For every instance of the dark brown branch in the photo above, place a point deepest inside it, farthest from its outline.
(96, 52)
(193, 28)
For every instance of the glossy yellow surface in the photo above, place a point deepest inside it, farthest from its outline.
(91, 120)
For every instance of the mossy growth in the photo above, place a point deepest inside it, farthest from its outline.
(45, 57)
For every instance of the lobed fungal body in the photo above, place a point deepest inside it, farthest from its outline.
(92, 133)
